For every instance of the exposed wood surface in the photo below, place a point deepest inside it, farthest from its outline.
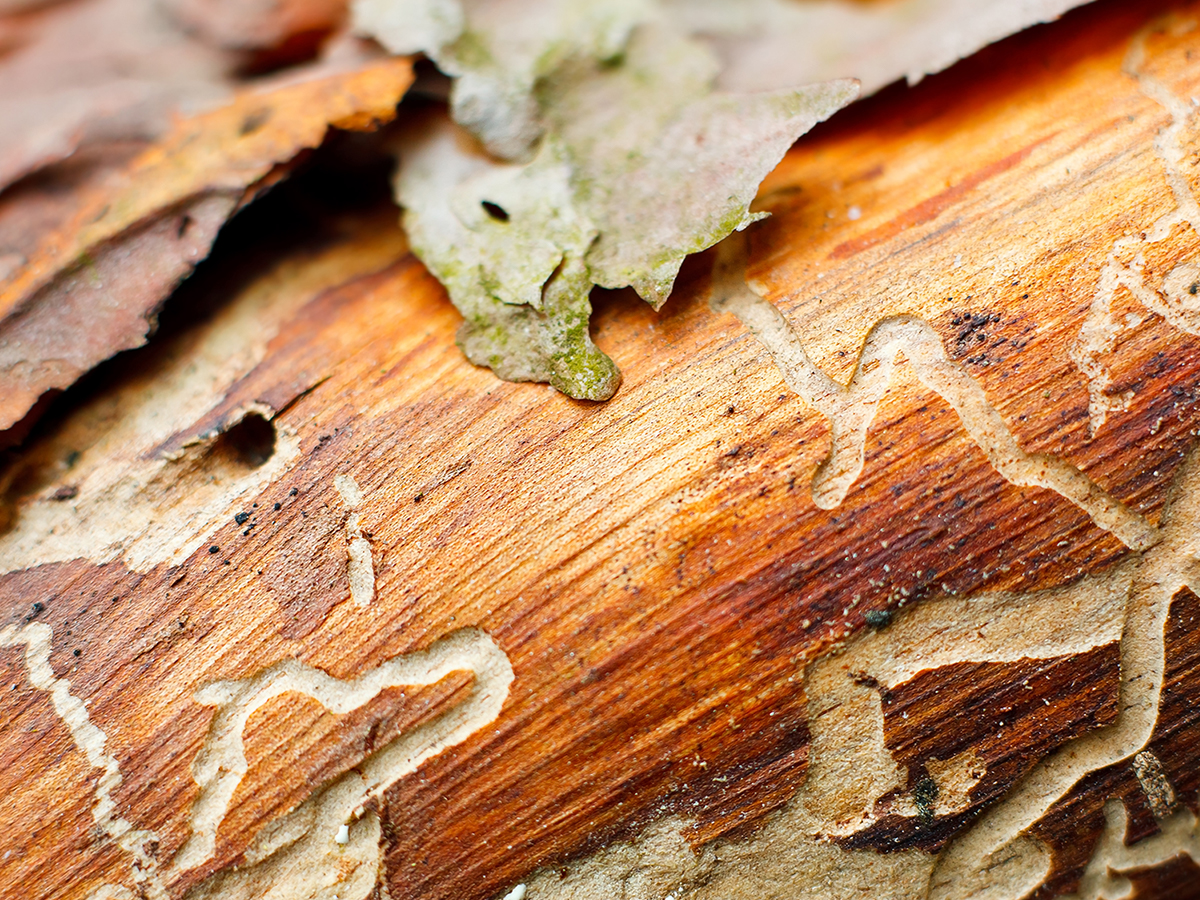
(298, 565)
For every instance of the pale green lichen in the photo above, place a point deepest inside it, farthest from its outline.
(602, 153)
(498, 50)
(609, 158)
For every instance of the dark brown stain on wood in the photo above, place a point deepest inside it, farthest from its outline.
(1009, 714)
(1175, 880)
(1072, 826)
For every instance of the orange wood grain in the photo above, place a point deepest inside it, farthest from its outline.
(654, 568)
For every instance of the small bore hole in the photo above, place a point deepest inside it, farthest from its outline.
(495, 210)
(252, 440)
(254, 121)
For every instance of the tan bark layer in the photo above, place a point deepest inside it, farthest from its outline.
(878, 574)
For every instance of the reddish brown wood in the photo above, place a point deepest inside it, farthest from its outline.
(654, 569)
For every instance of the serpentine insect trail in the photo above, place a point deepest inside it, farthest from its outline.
(361, 563)
(1163, 571)
(1180, 834)
(973, 862)
(1182, 306)
(847, 779)
(221, 763)
(328, 834)
(851, 408)
(1168, 563)
(92, 741)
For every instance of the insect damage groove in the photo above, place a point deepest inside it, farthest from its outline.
(221, 762)
(1176, 299)
(851, 408)
(994, 857)
(331, 839)
(846, 690)
(1179, 834)
(36, 638)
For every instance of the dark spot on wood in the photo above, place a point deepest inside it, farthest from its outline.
(925, 794)
(252, 440)
(254, 121)
(878, 618)
(494, 210)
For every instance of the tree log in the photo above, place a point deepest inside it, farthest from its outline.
(878, 576)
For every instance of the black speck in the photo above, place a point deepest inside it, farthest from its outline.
(925, 794)
(241, 518)
(214, 549)
(77, 653)
(36, 610)
(254, 121)
(293, 492)
(278, 506)
(418, 498)
(1195, 288)
(730, 411)
(494, 210)
(878, 618)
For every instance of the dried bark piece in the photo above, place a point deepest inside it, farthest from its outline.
(92, 288)
(96, 71)
(248, 24)
(498, 50)
(9, 7)
(639, 163)
(47, 200)
(765, 44)
(611, 199)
